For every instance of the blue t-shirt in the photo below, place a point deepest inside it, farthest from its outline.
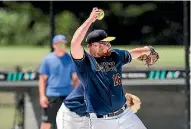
(59, 71)
(101, 78)
(75, 101)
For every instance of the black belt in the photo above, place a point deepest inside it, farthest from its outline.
(116, 113)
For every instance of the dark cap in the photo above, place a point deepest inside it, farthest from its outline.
(98, 35)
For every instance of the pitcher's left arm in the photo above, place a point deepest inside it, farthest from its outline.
(146, 54)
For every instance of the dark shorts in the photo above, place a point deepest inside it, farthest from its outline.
(49, 113)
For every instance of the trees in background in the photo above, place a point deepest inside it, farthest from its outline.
(142, 23)
(22, 24)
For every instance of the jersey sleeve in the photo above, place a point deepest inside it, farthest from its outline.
(44, 69)
(80, 64)
(125, 56)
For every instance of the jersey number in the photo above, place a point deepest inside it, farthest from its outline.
(117, 79)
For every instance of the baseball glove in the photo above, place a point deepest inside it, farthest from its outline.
(133, 102)
(151, 58)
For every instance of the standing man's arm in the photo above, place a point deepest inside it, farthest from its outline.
(75, 80)
(77, 50)
(44, 72)
(42, 91)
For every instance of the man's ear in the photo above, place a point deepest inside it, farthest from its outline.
(54, 46)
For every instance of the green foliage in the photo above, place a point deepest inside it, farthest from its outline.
(137, 10)
(117, 9)
(131, 10)
(66, 23)
(167, 31)
(22, 24)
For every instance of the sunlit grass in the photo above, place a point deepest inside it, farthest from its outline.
(30, 57)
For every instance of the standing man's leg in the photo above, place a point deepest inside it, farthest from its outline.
(45, 122)
(49, 113)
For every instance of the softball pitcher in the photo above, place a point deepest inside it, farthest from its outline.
(100, 73)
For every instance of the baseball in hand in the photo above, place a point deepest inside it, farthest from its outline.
(101, 15)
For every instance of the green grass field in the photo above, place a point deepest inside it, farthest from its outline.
(7, 117)
(30, 57)
(7, 109)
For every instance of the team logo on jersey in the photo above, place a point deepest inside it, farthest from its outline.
(106, 66)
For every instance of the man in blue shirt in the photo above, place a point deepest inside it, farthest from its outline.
(100, 73)
(72, 113)
(57, 75)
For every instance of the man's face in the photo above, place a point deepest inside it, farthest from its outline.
(101, 48)
(59, 47)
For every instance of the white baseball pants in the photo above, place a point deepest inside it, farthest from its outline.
(126, 120)
(66, 119)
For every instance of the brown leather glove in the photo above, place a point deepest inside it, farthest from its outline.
(151, 58)
(133, 102)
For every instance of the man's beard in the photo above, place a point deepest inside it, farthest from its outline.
(108, 53)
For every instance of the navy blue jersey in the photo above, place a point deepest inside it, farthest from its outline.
(101, 78)
(75, 101)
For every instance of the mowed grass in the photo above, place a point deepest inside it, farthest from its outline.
(7, 109)
(7, 117)
(30, 57)
(26, 57)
